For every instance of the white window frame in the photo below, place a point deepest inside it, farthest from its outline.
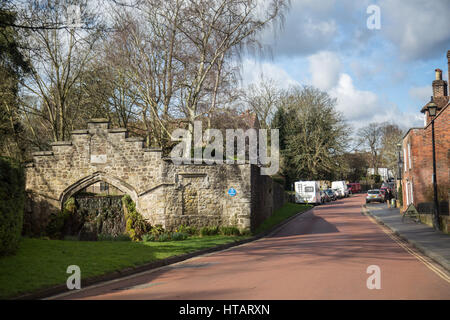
(407, 193)
(405, 159)
(409, 155)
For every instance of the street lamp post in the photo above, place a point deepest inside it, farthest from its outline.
(399, 168)
(432, 109)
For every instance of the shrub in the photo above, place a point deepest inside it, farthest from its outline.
(122, 237)
(110, 237)
(105, 237)
(229, 231)
(164, 237)
(209, 231)
(178, 236)
(12, 200)
(70, 238)
(148, 237)
(55, 227)
(136, 226)
(157, 230)
(192, 231)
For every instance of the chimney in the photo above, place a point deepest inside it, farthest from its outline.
(439, 85)
(448, 60)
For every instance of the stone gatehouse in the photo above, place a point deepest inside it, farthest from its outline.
(164, 193)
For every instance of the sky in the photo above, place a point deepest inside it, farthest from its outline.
(376, 75)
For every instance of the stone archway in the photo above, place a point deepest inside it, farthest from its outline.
(103, 154)
(98, 177)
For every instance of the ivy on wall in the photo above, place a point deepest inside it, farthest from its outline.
(136, 225)
(12, 199)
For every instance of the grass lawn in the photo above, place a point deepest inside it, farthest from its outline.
(43, 263)
(288, 210)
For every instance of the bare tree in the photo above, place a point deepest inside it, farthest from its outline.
(181, 52)
(370, 138)
(263, 99)
(380, 141)
(58, 58)
(391, 136)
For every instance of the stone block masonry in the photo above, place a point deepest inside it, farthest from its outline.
(164, 193)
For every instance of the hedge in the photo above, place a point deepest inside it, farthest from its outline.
(12, 199)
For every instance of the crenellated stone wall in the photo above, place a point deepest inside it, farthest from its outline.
(164, 193)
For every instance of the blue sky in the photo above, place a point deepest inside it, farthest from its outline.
(375, 75)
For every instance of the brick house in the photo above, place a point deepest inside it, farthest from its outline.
(417, 184)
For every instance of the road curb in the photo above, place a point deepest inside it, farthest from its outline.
(417, 245)
(59, 289)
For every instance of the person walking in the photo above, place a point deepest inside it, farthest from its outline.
(388, 197)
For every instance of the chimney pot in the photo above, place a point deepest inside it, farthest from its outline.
(438, 74)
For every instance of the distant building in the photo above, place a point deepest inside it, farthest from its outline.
(384, 173)
(417, 184)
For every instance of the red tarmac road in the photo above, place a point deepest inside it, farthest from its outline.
(322, 254)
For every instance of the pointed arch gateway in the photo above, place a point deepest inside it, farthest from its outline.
(94, 178)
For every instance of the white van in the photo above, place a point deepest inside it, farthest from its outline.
(341, 186)
(307, 192)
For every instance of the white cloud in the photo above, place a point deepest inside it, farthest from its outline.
(361, 107)
(325, 68)
(366, 70)
(422, 94)
(355, 105)
(253, 70)
(308, 28)
(404, 119)
(418, 28)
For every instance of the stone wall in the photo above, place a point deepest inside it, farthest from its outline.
(164, 193)
(444, 221)
(266, 196)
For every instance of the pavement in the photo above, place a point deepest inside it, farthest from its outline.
(326, 253)
(434, 244)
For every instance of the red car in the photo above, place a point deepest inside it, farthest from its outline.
(354, 187)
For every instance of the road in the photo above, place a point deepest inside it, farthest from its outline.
(322, 254)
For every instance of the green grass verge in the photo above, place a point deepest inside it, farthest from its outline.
(41, 263)
(288, 210)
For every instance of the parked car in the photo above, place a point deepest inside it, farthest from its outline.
(374, 195)
(338, 193)
(324, 196)
(331, 194)
(341, 186)
(307, 192)
(355, 187)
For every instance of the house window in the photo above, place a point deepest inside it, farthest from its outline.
(407, 193)
(404, 157)
(409, 155)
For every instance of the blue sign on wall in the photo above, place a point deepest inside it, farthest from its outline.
(232, 192)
